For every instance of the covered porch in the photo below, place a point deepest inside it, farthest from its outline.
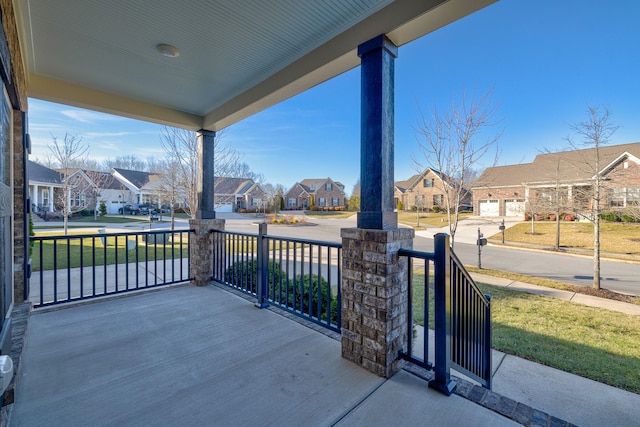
(204, 356)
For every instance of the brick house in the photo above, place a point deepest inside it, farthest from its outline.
(231, 194)
(321, 193)
(562, 180)
(44, 185)
(238, 193)
(424, 190)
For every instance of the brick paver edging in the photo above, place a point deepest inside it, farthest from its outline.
(516, 411)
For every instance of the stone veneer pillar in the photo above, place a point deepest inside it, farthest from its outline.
(374, 297)
(201, 249)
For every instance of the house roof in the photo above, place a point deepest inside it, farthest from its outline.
(565, 166)
(317, 183)
(231, 59)
(225, 185)
(408, 184)
(137, 178)
(39, 173)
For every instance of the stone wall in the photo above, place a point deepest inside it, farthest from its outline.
(19, 238)
(374, 297)
(201, 249)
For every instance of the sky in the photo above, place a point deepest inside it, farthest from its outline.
(545, 62)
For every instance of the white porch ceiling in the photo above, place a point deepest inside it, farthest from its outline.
(237, 57)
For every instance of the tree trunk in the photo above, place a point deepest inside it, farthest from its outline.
(558, 230)
(596, 252)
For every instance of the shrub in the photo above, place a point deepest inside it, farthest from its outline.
(610, 216)
(625, 217)
(103, 209)
(436, 209)
(244, 274)
(400, 206)
(301, 284)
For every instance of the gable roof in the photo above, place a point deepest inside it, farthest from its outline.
(408, 184)
(226, 185)
(317, 183)
(136, 178)
(39, 173)
(564, 166)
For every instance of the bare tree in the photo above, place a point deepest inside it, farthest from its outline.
(99, 181)
(454, 143)
(67, 154)
(129, 162)
(181, 148)
(594, 132)
(354, 200)
(170, 189)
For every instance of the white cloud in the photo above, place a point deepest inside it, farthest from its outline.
(86, 116)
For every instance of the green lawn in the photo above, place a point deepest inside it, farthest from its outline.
(594, 343)
(426, 219)
(615, 237)
(70, 254)
(327, 214)
(110, 219)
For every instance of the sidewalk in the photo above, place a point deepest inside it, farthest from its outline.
(578, 400)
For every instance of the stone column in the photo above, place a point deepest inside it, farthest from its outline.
(201, 249)
(201, 244)
(375, 297)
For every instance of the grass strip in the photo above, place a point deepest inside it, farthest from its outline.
(594, 343)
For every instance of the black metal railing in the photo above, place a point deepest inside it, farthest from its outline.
(457, 311)
(76, 267)
(298, 275)
(470, 326)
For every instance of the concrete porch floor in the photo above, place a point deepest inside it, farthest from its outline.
(194, 356)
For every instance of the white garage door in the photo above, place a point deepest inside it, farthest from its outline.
(489, 208)
(514, 207)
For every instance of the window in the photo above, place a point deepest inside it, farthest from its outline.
(427, 182)
(78, 200)
(623, 197)
(256, 201)
(335, 201)
(291, 202)
(312, 187)
(438, 199)
(322, 201)
(419, 200)
(328, 187)
(45, 198)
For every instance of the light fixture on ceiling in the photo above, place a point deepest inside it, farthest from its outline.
(168, 50)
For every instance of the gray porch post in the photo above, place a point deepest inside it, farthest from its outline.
(374, 289)
(204, 221)
(376, 134)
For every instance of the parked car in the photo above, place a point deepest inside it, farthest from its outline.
(134, 210)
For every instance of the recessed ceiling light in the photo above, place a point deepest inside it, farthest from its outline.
(168, 50)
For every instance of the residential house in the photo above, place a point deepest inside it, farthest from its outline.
(323, 193)
(237, 193)
(425, 191)
(43, 184)
(102, 187)
(563, 180)
(139, 184)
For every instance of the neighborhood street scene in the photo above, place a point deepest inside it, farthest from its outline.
(335, 213)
